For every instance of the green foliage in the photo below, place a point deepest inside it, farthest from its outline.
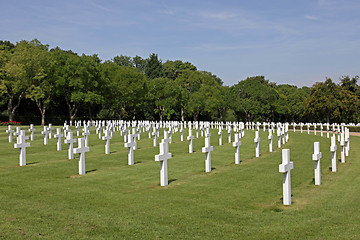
(136, 88)
(153, 67)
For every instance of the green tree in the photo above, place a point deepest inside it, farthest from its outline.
(172, 69)
(153, 67)
(323, 103)
(23, 66)
(164, 94)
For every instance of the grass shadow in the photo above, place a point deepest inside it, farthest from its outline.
(172, 180)
(89, 171)
(32, 163)
(137, 162)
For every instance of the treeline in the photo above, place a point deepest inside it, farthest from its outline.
(38, 84)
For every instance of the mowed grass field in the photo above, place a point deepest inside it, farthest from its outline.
(47, 199)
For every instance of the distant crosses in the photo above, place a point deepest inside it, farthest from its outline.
(342, 144)
(257, 144)
(162, 158)
(31, 130)
(107, 138)
(190, 138)
(45, 132)
(22, 144)
(58, 135)
(130, 145)
(285, 168)
(294, 125)
(10, 131)
(270, 137)
(314, 124)
(316, 157)
(70, 140)
(301, 127)
(308, 127)
(220, 136)
(333, 149)
(207, 150)
(237, 144)
(81, 149)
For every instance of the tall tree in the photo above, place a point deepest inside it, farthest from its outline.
(21, 68)
(153, 67)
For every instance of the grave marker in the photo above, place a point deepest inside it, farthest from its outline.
(70, 140)
(257, 144)
(285, 168)
(333, 149)
(22, 144)
(207, 150)
(81, 149)
(237, 144)
(10, 131)
(317, 157)
(162, 157)
(31, 130)
(130, 145)
(107, 138)
(58, 135)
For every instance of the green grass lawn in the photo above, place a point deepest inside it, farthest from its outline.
(47, 198)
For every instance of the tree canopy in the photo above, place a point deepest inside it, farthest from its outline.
(41, 83)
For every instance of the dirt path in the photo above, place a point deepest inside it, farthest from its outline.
(354, 134)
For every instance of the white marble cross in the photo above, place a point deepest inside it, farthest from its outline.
(342, 144)
(22, 144)
(86, 133)
(130, 145)
(321, 129)
(78, 126)
(10, 131)
(134, 135)
(166, 139)
(207, 150)
(17, 132)
(285, 167)
(81, 149)
(270, 137)
(50, 128)
(190, 138)
(182, 133)
(317, 157)
(107, 138)
(278, 132)
(333, 149)
(314, 128)
(162, 158)
(31, 130)
(45, 133)
(220, 136)
(257, 144)
(58, 135)
(327, 130)
(347, 142)
(154, 134)
(70, 140)
(237, 144)
(229, 134)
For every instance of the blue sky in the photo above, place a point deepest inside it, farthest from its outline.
(288, 42)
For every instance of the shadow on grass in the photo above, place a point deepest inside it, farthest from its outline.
(212, 169)
(113, 152)
(137, 162)
(32, 163)
(93, 170)
(172, 180)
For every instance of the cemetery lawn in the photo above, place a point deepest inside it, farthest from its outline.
(47, 199)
